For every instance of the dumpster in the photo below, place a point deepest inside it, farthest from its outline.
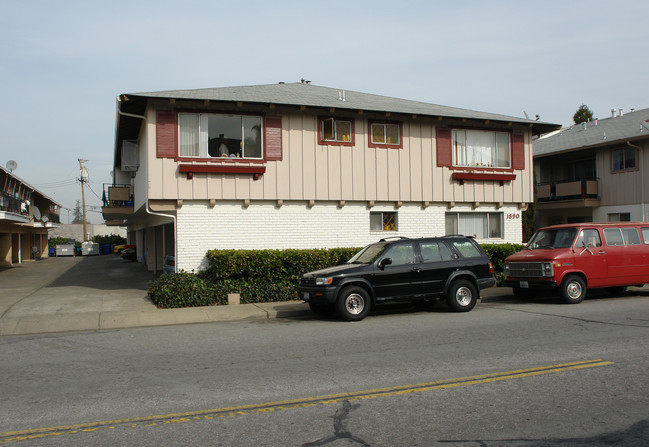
(89, 248)
(65, 250)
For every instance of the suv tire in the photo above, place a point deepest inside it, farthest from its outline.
(353, 303)
(462, 296)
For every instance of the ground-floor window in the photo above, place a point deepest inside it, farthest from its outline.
(479, 225)
(383, 221)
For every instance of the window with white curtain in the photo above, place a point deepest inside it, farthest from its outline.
(481, 148)
(478, 225)
(207, 135)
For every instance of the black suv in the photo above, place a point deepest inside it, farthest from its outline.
(401, 269)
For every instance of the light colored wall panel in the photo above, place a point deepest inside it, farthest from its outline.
(371, 174)
(334, 161)
(294, 152)
(309, 149)
(322, 172)
(382, 175)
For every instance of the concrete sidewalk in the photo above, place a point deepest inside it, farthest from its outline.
(105, 292)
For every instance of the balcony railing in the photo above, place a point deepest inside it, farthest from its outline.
(573, 190)
(117, 195)
(118, 203)
(14, 205)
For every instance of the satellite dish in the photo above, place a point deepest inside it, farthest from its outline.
(12, 165)
(45, 219)
(37, 213)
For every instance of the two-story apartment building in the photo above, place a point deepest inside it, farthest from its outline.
(26, 216)
(303, 166)
(595, 171)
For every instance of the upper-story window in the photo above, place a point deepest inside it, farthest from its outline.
(385, 134)
(624, 158)
(212, 135)
(338, 131)
(481, 148)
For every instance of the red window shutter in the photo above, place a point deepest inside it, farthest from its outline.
(518, 151)
(444, 150)
(273, 138)
(166, 134)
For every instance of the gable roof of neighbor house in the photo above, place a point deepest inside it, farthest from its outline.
(306, 94)
(631, 126)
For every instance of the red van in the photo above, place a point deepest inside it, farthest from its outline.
(573, 257)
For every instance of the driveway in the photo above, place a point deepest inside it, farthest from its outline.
(102, 292)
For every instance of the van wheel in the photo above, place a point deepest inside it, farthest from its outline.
(353, 303)
(573, 289)
(462, 296)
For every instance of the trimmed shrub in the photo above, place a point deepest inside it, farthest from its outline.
(256, 291)
(184, 290)
(499, 252)
(283, 266)
(261, 276)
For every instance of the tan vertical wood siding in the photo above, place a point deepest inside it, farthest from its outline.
(311, 171)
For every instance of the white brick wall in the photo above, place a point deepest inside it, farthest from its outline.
(263, 225)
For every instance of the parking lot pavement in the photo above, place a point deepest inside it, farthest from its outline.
(106, 292)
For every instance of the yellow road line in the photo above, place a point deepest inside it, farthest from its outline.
(172, 418)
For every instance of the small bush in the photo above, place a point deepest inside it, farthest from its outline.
(257, 291)
(499, 252)
(111, 239)
(54, 241)
(184, 290)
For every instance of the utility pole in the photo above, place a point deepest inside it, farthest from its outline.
(83, 179)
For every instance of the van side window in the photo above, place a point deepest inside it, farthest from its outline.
(613, 236)
(645, 235)
(630, 236)
(589, 238)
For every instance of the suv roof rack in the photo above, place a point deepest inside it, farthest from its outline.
(458, 235)
(385, 239)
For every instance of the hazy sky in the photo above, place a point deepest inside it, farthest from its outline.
(64, 62)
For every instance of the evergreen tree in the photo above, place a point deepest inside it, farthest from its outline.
(582, 115)
(77, 214)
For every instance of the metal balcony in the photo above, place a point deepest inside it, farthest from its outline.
(117, 203)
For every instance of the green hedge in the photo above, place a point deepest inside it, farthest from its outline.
(184, 290)
(265, 275)
(284, 266)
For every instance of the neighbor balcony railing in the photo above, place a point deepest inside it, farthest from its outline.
(567, 190)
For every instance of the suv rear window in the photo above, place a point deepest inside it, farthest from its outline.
(467, 249)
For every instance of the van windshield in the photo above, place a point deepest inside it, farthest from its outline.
(561, 238)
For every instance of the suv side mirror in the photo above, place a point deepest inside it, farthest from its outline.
(384, 262)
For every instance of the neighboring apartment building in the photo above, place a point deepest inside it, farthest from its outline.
(26, 215)
(303, 166)
(595, 171)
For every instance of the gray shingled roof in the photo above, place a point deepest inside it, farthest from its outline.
(302, 94)
(628, 127)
